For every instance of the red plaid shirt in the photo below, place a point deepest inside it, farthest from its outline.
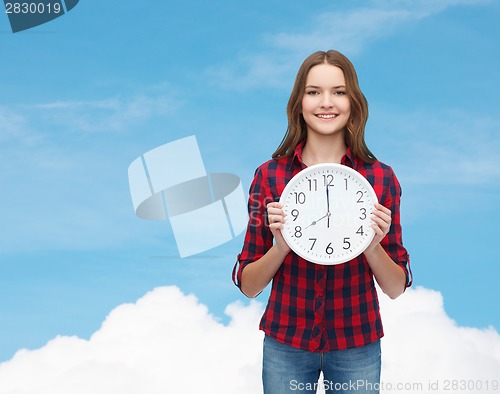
(315, 307)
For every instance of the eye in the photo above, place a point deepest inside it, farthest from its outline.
(312, 92)
(340, 93)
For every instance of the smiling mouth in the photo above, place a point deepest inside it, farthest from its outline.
(326, 116)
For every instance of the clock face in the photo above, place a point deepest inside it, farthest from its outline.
(328, 209)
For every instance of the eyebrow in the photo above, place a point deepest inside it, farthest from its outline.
(318, 87)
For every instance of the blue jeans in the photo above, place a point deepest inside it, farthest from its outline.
(290, 370)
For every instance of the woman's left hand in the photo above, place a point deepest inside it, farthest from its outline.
(381, 218)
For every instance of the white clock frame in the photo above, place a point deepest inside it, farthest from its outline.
(328, 210)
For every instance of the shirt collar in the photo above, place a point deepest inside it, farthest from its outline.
(348, 159)
(297, 154)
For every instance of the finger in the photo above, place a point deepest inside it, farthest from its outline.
(276, 226)
(381, 225)
(383, 221)
(378, 231)
(384, 215)
(384, 226)
(276, 219)
(382, 208)
(275, 211)
(274, 205)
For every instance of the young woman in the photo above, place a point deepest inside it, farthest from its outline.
(322, 318)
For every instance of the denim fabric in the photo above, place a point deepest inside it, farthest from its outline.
(290, 370)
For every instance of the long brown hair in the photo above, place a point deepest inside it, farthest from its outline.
(354, 132)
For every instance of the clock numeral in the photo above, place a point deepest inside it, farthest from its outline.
(347, 244)
(313, 185)
(298, 231)
(360, 196)
(360, 231)
(328, 179)
(363, 213)
(345, 179)
(300, 198)
(329, 249)
(313, 242)
(295, 214)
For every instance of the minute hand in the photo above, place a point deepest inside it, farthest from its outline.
(327, 199)
(328, 213)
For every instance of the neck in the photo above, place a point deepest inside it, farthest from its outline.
(323, 149)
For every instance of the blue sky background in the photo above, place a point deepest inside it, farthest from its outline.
(81, 97)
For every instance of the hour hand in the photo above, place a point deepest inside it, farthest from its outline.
(316, 221)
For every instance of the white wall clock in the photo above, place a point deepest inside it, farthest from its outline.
(328, 213)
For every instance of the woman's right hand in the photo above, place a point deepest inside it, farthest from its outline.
(256, 276)
(276, 218)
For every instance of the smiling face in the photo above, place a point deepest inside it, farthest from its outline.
(326, 107)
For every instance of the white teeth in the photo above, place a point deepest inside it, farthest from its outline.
(326, 116)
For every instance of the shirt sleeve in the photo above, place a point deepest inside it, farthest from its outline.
(258, 237)
(393, 241)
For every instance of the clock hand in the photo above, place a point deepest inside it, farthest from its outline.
(316, 221)
(328, 213)
(327, 200)
(328, 205)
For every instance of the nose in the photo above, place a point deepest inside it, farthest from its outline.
(327, 101)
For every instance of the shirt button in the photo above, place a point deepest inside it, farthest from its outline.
(320, 294)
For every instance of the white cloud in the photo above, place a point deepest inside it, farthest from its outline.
(165, 343)
(61, 186)
(251, 70)
(111, 104)
(15, 128)
(351, 31)
(449, 147)
(59, 197)
(427, 7)
(168, 342)
(110, 115)
(347, 31)
(423, 344)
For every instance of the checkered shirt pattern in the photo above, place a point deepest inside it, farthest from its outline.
(316, 307)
